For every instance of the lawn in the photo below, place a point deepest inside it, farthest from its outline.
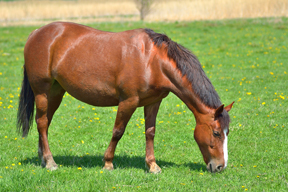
(246, 61)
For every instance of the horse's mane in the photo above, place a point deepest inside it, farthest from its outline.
(189, 66)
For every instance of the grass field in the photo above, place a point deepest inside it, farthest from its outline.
(246, 61)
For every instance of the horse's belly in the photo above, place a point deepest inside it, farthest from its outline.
(91, 91)
(95, 98)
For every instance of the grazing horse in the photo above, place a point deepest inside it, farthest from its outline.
(130, 69)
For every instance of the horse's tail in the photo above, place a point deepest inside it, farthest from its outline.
(26, 107)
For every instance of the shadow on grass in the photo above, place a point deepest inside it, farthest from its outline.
(120, 162)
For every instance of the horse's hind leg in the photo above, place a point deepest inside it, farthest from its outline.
(46, 105)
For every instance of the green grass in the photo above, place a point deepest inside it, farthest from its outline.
(246, 61)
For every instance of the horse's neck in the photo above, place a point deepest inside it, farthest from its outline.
(183, 89)
(186, 94)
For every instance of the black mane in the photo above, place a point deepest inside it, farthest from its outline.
(189, 66)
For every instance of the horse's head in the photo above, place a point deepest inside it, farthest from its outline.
(211, 134)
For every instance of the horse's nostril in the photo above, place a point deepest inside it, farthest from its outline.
(219, 167)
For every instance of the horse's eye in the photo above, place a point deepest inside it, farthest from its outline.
(216, 134)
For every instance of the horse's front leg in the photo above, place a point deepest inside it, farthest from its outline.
(125, 110)
(150, 113)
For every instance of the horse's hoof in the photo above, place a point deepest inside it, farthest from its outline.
(108, 166)
(155, 169)
(51, 166)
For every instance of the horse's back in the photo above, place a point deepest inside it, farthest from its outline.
(88, 62)
(62, 43)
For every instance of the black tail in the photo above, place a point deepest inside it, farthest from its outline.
(26, 107)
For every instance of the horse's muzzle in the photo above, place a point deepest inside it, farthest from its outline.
(213, 167)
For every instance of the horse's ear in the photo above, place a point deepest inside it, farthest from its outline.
(229, 107)
(218, 111)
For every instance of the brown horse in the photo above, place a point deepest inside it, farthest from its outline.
(130, 69)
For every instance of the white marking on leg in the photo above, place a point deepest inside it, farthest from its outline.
(225, 148)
